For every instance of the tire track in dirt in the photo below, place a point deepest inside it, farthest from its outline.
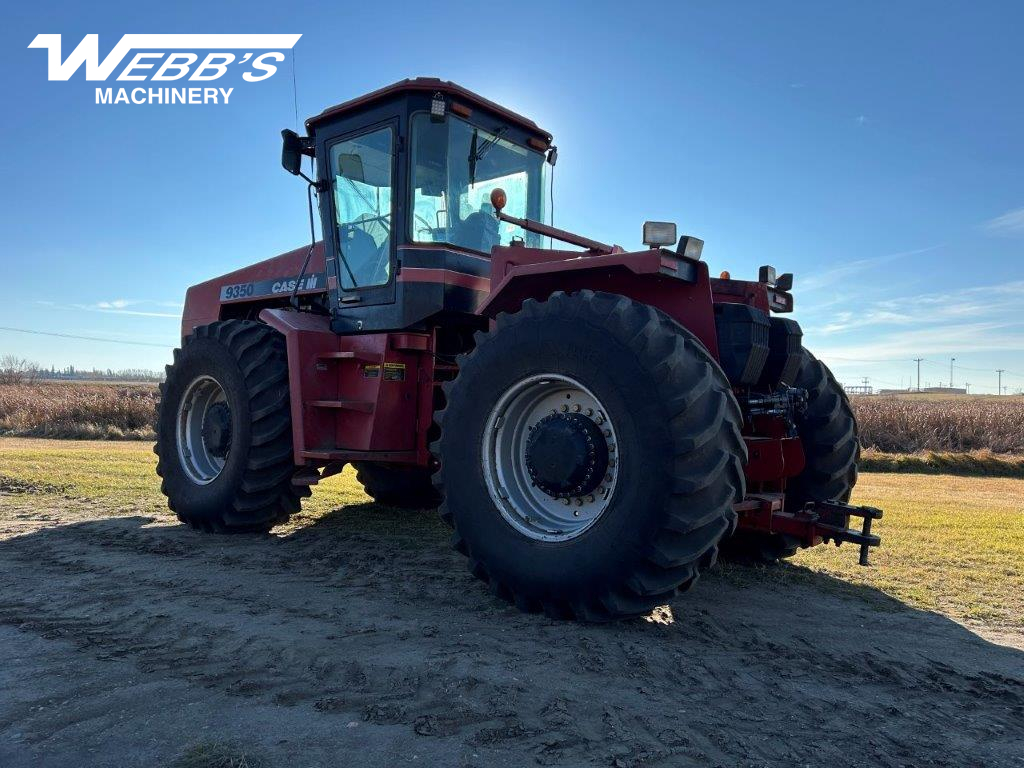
(351, 624)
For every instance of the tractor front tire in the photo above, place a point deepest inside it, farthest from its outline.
(397, 485)
(590, 456)
(224, 436)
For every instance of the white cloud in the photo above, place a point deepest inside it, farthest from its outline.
(980, 319)
(994, 302)
(134, 307)
(948, 339)
(135, 312)
(837, 274)
(1010, 223)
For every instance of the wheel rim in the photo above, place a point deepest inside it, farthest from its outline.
(511, 468)
(204, 432)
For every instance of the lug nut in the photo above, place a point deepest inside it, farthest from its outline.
(564, 501)
(590, 498)
(579, 502)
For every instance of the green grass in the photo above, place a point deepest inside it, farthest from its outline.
(949, 544)
(123, 474)
(972, 464)
(954, 545)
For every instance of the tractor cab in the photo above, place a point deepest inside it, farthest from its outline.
(404, 178)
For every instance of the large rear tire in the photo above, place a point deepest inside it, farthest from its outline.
(398, 485)
(828, 433)
(648, 445)
(224, 437)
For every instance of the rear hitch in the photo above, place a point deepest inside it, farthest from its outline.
(834, 520)
(815, 523)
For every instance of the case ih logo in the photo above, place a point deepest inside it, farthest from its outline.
(168, 58)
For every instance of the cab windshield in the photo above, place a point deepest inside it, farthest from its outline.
(455, 167)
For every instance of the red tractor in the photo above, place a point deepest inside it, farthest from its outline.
(594, 423)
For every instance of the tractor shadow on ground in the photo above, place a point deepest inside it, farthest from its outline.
(422, 530)
(365, 613)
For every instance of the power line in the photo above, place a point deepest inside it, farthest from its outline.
(86, 338)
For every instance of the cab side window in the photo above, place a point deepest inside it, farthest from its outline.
(362, 171)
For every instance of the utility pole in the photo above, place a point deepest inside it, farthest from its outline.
(951, 361)
(1000, 371)
(918, 361)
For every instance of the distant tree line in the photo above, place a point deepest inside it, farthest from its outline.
(19, 370)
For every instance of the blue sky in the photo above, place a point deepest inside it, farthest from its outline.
(873, 149)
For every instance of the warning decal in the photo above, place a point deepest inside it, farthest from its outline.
(394, 371)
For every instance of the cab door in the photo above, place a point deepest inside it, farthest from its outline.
(361, 234)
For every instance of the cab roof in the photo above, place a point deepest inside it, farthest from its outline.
(431, 85)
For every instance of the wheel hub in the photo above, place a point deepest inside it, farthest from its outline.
(566, 454)
(550, 457)
(203, 434)
(217, 430)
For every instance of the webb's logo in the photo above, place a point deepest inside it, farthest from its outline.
(158, 65)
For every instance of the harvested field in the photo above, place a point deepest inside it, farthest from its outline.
(78, 411)
(965, 423)
(898, 425)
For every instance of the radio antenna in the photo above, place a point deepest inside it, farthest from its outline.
(295, 93)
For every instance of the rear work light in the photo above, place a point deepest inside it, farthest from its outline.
(657, 233)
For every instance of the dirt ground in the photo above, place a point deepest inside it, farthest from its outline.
(360, 639)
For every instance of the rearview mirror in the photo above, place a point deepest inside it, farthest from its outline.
(291, 152)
